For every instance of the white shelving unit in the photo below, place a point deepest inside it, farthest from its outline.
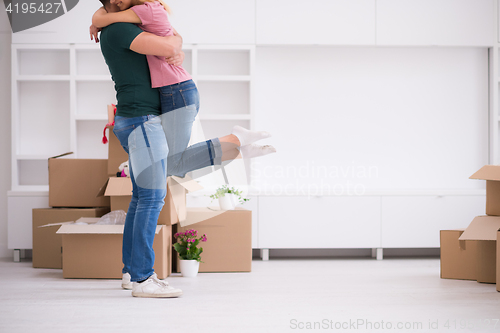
(61, 106)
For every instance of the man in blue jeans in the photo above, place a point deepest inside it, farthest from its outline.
(138, 127)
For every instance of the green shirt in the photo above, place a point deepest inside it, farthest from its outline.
(130, 72)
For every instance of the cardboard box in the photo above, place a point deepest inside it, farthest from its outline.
(458, 258)
(483, 230)
(47, 245)
(76, 182)
(119, 189)
(95, 251)
(498, 260)
(116, 154)
(490, 173)
(229, 238)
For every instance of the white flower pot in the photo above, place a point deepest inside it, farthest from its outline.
(227, 202)
(189, 268)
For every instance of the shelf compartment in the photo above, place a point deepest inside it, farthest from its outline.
(90, 62)
(43, 118)
(224, 98)
(33, 172)
(89, 139)
(223, 62)
(93, 97)
(55, 62)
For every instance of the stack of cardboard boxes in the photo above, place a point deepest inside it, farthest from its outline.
(474, 253)
(73, 185)
(94, 251)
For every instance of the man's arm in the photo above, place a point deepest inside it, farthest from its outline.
(146, 43)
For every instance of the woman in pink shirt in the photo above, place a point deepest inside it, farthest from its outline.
(178, 93)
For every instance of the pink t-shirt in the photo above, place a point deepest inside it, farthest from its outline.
(154, 19)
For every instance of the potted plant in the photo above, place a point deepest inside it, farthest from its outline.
(226, 196)
(189, 252)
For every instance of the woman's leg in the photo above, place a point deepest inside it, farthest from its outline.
(180, 105)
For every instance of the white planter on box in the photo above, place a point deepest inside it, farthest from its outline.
(227, 202)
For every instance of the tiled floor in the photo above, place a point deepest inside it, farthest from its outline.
(362, 295)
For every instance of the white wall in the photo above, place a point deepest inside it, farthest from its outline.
(386, 119)
(5, 41)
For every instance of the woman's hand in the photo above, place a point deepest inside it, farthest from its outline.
(94, 33)
(176, 60)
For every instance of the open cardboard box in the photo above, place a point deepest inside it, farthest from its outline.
(229, 238)
(490, 173)
(483, 230)
(76, 182)
(119, 190)
(47, 245)
(498, 260)
(95, 251)
(458, 258)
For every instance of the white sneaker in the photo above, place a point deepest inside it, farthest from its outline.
(154, 287)
(126, 284)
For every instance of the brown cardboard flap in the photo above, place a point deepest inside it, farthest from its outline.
(188, 183)
(54, 224)
(498, 261)
(111, 114)
(65, 154)
(482, 228)
(487, 172)
(118, 186)
(199, 214)
(458, 258)
(95, 229)
(486, 261)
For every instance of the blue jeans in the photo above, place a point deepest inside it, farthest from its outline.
(145, 140)
(179, 106)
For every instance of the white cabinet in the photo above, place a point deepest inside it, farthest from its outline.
(436, 22)
(19, 217)
(214, 22)
(415, 221)
(334, 22)
(72, 27)
(319, 222)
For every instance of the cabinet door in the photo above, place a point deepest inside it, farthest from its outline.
(436, 22)
(20, 218)
(327, 22)
(72, 27)
(319, 222)
(214, 22)
(415, 221)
